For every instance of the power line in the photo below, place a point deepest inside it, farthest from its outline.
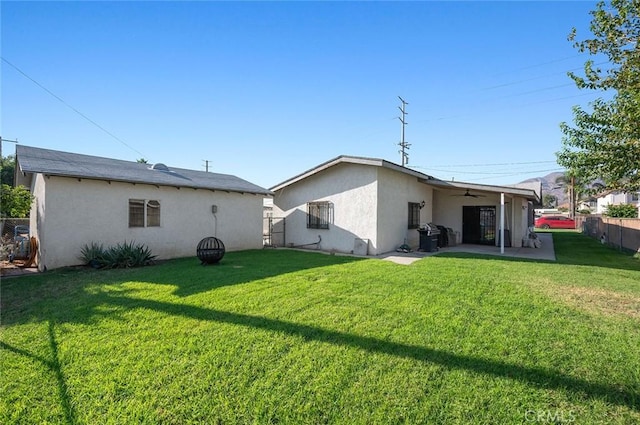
(524, 173)
(489, 165)
(542, 64)
(536, 78)
(72, 108)
(521, 173)
(492, 173)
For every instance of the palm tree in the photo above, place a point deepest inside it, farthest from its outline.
(549, 201)
(577, 189)
(572, 185)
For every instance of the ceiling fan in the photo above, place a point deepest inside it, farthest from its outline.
(467, 193)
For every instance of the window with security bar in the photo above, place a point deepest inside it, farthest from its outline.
(136, 212)
(414, 215)
(319, 215)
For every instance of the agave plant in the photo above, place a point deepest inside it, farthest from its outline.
(93, 254)
(121, 255)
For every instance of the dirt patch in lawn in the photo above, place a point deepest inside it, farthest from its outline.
(15, 268)
(601, 301)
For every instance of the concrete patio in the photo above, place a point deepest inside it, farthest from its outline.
(545, 253)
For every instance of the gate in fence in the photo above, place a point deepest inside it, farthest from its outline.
(274, 234)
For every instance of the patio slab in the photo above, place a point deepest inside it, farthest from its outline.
(545, 253)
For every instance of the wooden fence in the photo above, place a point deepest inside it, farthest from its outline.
(623, 233)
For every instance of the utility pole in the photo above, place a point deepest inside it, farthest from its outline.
(206, 165)
(404, 146)
(5, 140)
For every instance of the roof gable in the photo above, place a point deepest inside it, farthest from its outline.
(65, 164)
(344, 159)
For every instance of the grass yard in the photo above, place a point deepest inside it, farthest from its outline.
(289, 337)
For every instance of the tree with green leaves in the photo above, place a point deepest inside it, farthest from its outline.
(622, 211)
(15, 201)
(7, 169)
(604, 143)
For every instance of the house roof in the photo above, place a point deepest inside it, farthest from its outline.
(423, 178)
(345, 159)
(65, 164)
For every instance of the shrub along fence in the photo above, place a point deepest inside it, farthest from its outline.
(623, 233)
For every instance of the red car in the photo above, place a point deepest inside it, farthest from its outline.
(555, 222)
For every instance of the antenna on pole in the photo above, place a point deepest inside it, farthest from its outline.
(404, 146)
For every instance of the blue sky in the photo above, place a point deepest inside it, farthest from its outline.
(267, 90)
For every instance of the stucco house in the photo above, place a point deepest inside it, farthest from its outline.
(616, 198)
(350, 201)
(81, 199)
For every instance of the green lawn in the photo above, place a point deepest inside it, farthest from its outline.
(288, 337)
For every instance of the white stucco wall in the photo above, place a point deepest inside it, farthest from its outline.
(395, 191)
(351, 188)
(71, 213)
(616, 199)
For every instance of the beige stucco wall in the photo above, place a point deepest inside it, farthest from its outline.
(369, 203)
(70, 213)
(352, 189)
(448, 207)
(520, 218)
(448, 212)
(395, 191)
(37, 227)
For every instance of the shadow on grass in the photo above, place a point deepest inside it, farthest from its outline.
(61, 295)
(54, 366)
(187, 275)
(571, 248)
(538, 377)
(243, 267)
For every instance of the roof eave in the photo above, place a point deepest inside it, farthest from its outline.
(134, 182)
(525, 193)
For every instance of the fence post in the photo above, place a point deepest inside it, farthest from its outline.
(620, 234)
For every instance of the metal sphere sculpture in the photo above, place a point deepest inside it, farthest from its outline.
(210, 250)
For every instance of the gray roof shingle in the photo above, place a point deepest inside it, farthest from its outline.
(56, 163)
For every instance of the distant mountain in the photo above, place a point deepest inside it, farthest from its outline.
(549, 186)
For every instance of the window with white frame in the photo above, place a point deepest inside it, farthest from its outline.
(144, 213)
(319, 214)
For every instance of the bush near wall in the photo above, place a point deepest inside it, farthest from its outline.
(622, 211)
